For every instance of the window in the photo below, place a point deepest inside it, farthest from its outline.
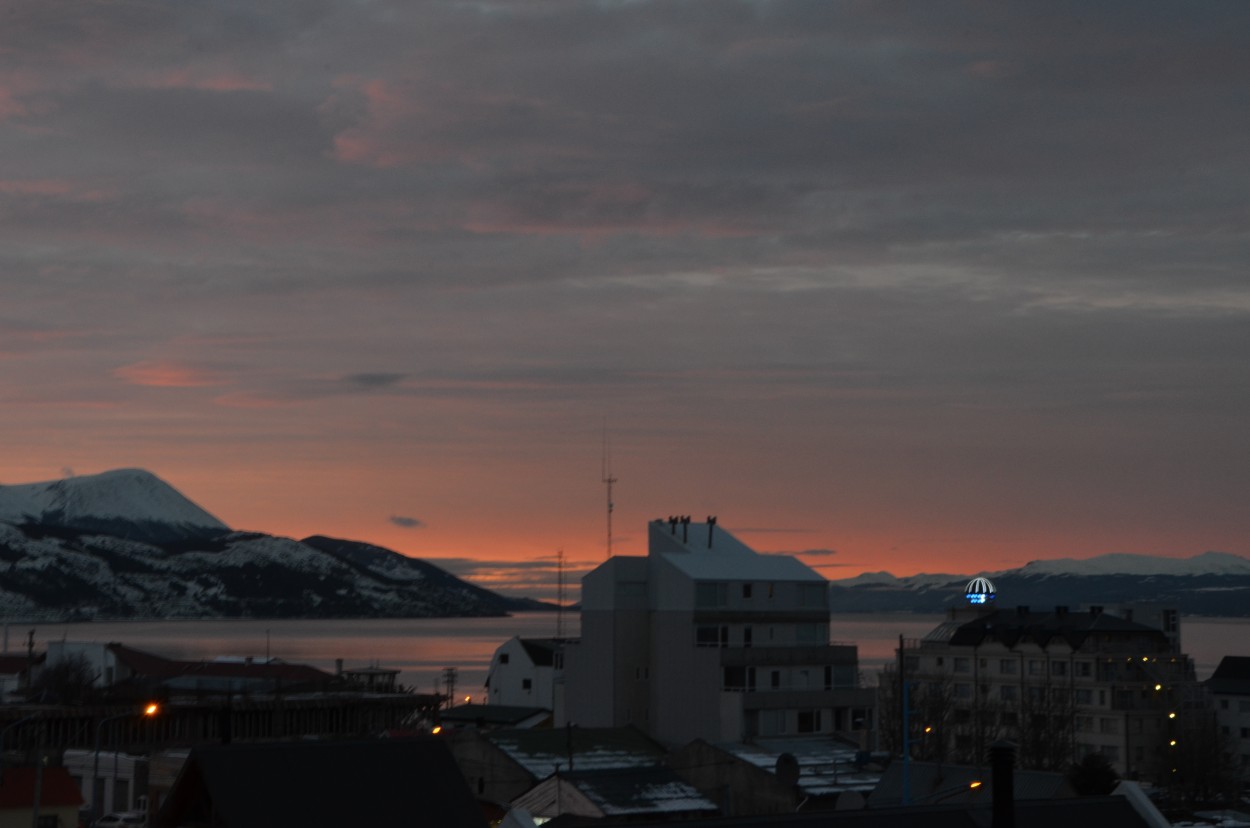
(746, 636)
(710, 594)
(1058, 668)
(812, 595)
(775, 679)
(808, 721)
(1007, 666)
(503, 658)
(810, 633)
(962, 665)
(1082, 669)
(1243, 707)
(1037, 667)
(527, 684)
(706, 636)
(746, 590)
(735, 678)
(1108, 726)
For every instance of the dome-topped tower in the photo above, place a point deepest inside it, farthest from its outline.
(979, 591)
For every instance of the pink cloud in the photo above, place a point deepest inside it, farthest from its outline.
(167, 374)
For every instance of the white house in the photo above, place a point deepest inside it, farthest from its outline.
(523, 672)
(706, 638)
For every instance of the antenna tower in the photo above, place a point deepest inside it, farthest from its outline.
(608, 480)
(560, 594)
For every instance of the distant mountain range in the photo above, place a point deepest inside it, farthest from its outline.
(1212, 583)
(125, 544)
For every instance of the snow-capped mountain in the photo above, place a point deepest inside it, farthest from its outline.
(129, 503)
(1212, 583)
(125, 544)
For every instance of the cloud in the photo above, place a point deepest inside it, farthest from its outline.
(163, 373)
(406, 522)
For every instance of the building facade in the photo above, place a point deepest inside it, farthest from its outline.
(706, 638)
(1061, 684)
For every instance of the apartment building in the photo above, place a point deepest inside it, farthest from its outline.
(1060, 683)
(706, 638)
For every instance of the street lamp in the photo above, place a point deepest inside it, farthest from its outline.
(149, 711)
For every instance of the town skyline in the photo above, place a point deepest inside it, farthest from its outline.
(907, 289)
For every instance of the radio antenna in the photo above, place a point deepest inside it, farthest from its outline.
(608, 481)
(560, 594)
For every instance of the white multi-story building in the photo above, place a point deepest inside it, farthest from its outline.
(706, 638)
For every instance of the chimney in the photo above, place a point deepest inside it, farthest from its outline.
(711, 525)
(1002, 769)
(685, 528)
(338, 666)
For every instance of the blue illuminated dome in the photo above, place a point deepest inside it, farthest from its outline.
(979, 591)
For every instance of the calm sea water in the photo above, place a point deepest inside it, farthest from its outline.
(420, 648)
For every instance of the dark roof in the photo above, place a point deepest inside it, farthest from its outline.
(541, 750)
(653, 789)
(12, 664)
(410, 782)
(937, 783)
(1012, 626)
(491, 714)
(58, 789)
(1232, 676)
(542, 651)
(149, 665)
(1080, 812)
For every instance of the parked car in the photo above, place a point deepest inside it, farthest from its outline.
(122, 819)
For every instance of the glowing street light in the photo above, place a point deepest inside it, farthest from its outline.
(149, 711)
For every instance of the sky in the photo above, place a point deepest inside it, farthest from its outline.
(917, 287)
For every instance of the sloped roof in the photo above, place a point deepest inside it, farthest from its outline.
(1017, 625)
(1231, 677)
(410, 782)
(542, 651)
(933, 782)
(825, 766)
(726, 559)
(541, 751)
(616, 792)
(491, 714)
(58, 789)
(150, 665)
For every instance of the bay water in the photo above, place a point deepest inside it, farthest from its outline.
(422, 648)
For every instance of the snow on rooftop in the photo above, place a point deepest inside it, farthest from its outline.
(725, 558)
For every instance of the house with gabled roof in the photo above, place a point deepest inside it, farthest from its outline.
(500, 765)
(524, 672)
(615, 795)
(400, 782)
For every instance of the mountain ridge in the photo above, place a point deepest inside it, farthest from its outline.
(1208, 583)
(125, 544)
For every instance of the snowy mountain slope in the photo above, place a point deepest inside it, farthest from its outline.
(126, 545)
(1212, 583)
(125, 502)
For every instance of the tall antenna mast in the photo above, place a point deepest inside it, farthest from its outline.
(608, 480)
(560, 594)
